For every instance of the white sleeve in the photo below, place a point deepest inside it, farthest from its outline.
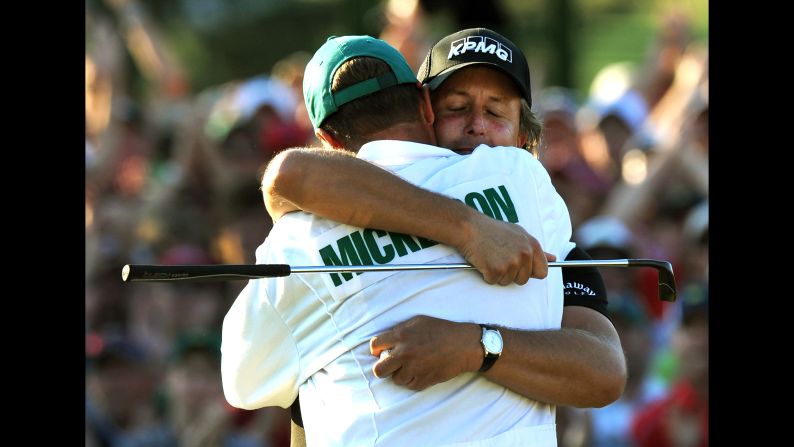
(259, 359)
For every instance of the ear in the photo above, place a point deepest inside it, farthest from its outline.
(328, 140)
(425, 106)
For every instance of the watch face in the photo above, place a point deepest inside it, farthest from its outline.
(492, 342)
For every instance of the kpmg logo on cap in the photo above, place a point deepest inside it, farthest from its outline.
(480, 44)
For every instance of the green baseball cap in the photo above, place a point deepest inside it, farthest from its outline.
(318, 77)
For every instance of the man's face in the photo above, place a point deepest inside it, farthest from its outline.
(477, 105)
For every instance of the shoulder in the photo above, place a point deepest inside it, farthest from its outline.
(505, 151)
(505, 154)
(512, 160)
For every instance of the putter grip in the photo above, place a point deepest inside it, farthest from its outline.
(149, 273)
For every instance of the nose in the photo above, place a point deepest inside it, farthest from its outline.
(476, 123)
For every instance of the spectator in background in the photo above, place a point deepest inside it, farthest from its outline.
(407, 22)
(610, 426)
(606, 237)
(561, 153)
(680, 419)
(696, 244)
(289, 71)
(405, 29)
(251, 121)
(189, 410)
(195, 412)
(614, 112)
(559, 147)
(664, 56)
(120, 386)
(669, 175)
(692, 275)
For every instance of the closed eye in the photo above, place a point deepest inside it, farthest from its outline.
(497, 112)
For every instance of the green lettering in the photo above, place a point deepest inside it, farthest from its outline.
(388, 250)
(400, 241)
(503, 202)
(347, 256)
(330, 258)
(361, 248)
(481, 203)
(347, 252)
(426, 243)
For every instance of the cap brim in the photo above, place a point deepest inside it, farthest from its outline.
(438, 80)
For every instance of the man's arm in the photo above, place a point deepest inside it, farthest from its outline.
(580, 365)
(338, 186)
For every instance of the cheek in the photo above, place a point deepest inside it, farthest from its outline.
(448, 130)
(502, 133)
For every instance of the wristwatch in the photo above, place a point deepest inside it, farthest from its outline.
(492, 346)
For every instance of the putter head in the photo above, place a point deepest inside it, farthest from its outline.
(667, 290)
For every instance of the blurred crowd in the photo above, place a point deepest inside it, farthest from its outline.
(174, 180)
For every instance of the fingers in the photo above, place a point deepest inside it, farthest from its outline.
(390, 366)
(386, 366)
(381, 342)
(490, 277)
(516, 270)
(531, 262)
(540, 266)
(505, 253)
(524, 273)
(381, 346)
(506, 279)
(411, 352)
(403, 378)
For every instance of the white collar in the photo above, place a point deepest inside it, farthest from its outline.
(398, 152)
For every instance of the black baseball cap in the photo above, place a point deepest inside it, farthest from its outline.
(475, 46)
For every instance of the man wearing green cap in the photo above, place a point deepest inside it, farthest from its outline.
(311, 332)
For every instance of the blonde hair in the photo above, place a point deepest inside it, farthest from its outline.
(529, 126)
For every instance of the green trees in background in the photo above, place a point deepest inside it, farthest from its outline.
(567, 40)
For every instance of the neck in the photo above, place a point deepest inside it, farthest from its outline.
(405, 132)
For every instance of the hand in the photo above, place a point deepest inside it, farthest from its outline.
(504, 252)
(426, 351)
